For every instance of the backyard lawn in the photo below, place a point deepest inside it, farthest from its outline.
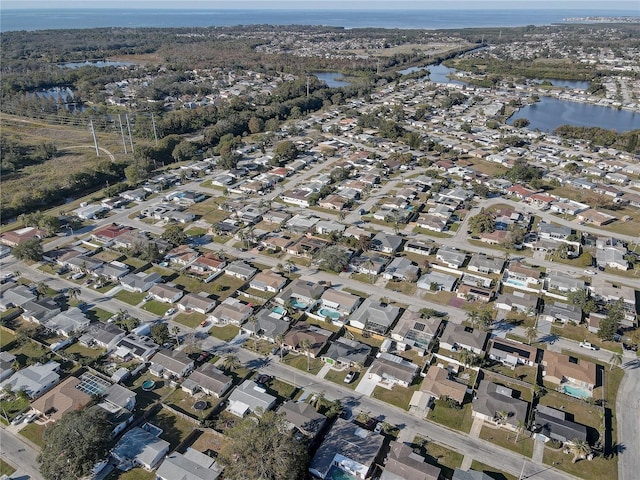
(145, 399)
(84, 351)
(174, 429)
(184, 402)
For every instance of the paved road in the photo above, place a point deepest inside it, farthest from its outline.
(19, 455)
(628, 422)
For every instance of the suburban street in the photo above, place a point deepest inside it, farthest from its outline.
(19, 455)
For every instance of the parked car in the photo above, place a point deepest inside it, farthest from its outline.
(204, 356)
(203, 323)
(378, 428)
(371, 423)
(350, 376)
(275, 350)
(171, 311)
(262, 379)
(18, 419)
(590, 272)
(30, 418)
(588, 345)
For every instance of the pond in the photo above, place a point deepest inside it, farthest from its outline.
(550, 113)
(332, 79)
(98, 63)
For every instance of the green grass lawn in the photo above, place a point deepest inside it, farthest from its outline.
(521, 372)
(134, 474)
(408, 288)
(145, 399)
(34, 432)
(132, 298)
(300, 362)
(580, 333)
(84, 351)
(457, 419)
(175, 429)
(29, 350)
(506, 439)
(491, 472)
(337, 376)
(11, 408)
(6, 338)
(6, 469)
(156, 307)
(398, 396)
(192, 319)
(134, 262)
(97, 313)
(596, 469)
(282, 389)
(444, 458)
(226, 333)
(261, 347)
(184, 402)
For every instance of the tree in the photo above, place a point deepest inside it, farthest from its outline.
(185, 150)
(306, 346)
(29, 250)
(483, 222)
(256, 125)
(332, 258)
(174, 234)
(580, 449)
(73, 293)
(466, 357)
(521, 123)
(74, 444)
(262, 448)
(501, 417)
(42, 288)
(231, 362)
(285, 151)
(615, 360)
(531, 334)
(175, 330)
(582, 298)
(609, 324)
(160, 333)
(520, 429)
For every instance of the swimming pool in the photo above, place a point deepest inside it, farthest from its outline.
(516, 282)
(575, 391)
(298, 304)
(327, 312)
(279, 310)
(335, 473)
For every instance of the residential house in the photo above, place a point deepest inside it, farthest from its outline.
(6, 365)
(552, 424)
(374, 316)
(15, 296)
(140, 447)
(171, 364)
(300, 333)
(492, 401)
(369, 264)
(101, 335)
(190, 465)
(113, 271)
(298, 197)
(561, 312)
(268, 326)
(596, 217)
(343, 302)
(34, 380)
(386, 243)
(241, 270)
(610, 293)
(550, 231)
(139, 282)
(64, 397)
(165, 293)
(345, 352)
(483, 264)
(415, 331)
(389, 370)
(564, 283)
(451, 257)
(456, 336)
(40, 311)
(268, 281)
(403, 463)
(303, 418)
(611, 253)
(436, 281)
(199, 303)
(182, 255)
(517, 302)
(348, 448)
(69, 322)
(248, 397)
(16, 237)
(401, 268)
(230, 311)
(432, 222)
(302, 294)
(134, 346)
(206, 264)
(81, 263)
(475, 293)
(512, 353)
(108, 234)
(207, 379)
(564, 370)
(459, 474)
(420, 247)
(517, 274)
(306, 246)
(440, 383)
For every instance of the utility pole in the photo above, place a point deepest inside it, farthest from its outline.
(129, 129)
(307, 85)
(124, 142)
(95, 140)
(155, 132)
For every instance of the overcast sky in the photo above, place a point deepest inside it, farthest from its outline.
(629, 5)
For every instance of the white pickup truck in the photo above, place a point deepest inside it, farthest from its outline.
(588, 345)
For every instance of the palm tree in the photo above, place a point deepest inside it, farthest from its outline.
(532, 334)
(580, 449)
(520, 428)
(306, 346)
(176, 332)
(231, 362)
(280, 342)
(73, 293)
(465, 357)
(41, 289)
(501, 417)
(17, 274)
(615, 360)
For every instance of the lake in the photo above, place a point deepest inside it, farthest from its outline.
(332, 79)
(550, 113)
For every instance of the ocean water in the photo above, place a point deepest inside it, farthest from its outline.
(46, 19)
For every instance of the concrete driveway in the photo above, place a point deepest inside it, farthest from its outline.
(366, 385)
